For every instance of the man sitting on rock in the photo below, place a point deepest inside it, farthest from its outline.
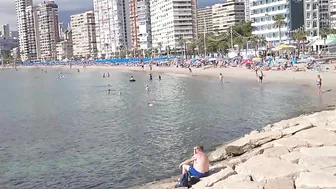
(198, 165)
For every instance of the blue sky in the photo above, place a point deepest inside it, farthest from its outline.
(66, 8)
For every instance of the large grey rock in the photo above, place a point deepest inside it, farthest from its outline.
(218, 155)
(317, 163)
(315, 180)
(317, 137)
(237, 185)
(326, 151)
(295, 129)
(292, 157)
(263, 168)
(280, 183)
(320, 119)
(290, 143)
(247, 143)
(329, 171)
(276, 151)
(214, 178)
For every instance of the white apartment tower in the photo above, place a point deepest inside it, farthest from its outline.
(4, 30)
(316, 17)
(112, 26)
(22, 23)
(48, 35)
(171, 21)
(204, 20)
(84, 35)
(247, 4)
(332, 13)
(144, 23)
(226, 15)
(262, 17)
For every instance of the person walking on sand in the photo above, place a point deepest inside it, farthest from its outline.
(319, 84)
(221, 77)
(260, 75)
(198, 165)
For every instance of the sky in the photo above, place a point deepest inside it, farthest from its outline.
(66, 8)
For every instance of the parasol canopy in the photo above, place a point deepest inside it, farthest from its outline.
(283, 47)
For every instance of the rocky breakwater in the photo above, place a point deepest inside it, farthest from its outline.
(298, 153)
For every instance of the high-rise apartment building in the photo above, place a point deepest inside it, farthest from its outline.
(144, 33)
(332, 13)
(316, 17)
(247, 4)
(263, 12)
(134, 25)
(25, 50)
(112, 26)
(171, 21)
(64, 48)
(61, 30)
(32, 32)
(226, 15)
(48, 35)
(204, 20)
(4, 30)
(84, 35)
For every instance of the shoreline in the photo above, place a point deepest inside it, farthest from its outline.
(288, 76)
(236, 163)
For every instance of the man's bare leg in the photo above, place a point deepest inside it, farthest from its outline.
(185, 168)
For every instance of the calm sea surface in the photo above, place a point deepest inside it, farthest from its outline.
(70, 133)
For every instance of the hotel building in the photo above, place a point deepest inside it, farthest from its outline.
(171, 21)
(144, 32)
(112, 26)
(263, 11)
(316, 17)
(204, 20)
(226, 15)
(48, 34)
(84, 38)
(27, 53)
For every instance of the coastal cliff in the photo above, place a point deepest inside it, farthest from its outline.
(299, 153)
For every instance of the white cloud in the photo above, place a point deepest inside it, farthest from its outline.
(8, 12)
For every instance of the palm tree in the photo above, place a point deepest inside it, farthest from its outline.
(299, 36)
(279, 21)
(168, 50)
(160, 47)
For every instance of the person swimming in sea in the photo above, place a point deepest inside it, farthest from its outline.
(150, 104)
(319, 84)
(147, 88)
(150, 77)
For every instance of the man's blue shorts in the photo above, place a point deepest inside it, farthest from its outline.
(195, 173)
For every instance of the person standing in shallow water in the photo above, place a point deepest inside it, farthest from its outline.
(260, 75)
(221, 77)
(319, 84)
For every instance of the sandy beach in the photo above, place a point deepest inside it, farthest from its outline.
(305, 78)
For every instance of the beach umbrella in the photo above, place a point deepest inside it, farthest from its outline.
(246, 61)
(256, 59)
(284, 47)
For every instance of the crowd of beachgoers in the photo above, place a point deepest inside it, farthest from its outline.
(267, 63)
